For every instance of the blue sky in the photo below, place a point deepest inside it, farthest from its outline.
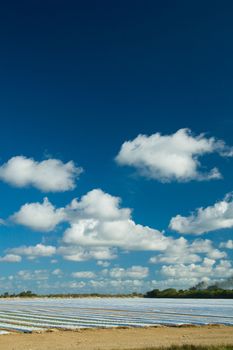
(77, 82)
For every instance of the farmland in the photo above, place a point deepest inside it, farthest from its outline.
(40, 314)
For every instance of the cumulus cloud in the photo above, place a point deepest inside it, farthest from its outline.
(97, 204)
(77, 253)
(38, 250)
(83, 274)
(39, 216)
(228, 244)
(134, 272)
(203, 220)
(172, 157)
(98, 221)
(11, 258)
(185, 252)
(51, 175)
(207, 269)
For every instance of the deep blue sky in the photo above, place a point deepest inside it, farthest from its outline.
(80, 78)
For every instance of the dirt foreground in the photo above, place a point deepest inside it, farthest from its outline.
(109, 339)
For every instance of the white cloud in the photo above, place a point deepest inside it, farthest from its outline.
(95, 221)
(97, 204)
(12, 258)
(103, 263)
(57, 272)
(185, 252)
(2, 222)
(83, 274)
(39, 216)
(207, 269)
(205, 246)
(178, 283)
(179, 252)
(203, 220)
(172, 157)
(228, 244)
(38, 250)
(98, 221)
(76, 253)
(37, 275)
(134, 272)
(98, 226)
(123, 234)
(51, 175)
(115, 285)
(54, 261)
(75, 285)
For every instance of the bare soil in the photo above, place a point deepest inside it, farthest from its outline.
(119, 339)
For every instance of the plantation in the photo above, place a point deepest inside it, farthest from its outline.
(40, 314)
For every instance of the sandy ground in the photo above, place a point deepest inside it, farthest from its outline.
(106, 339)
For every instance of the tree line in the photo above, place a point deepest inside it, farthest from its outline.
(30, 294)
(208, 293)
(212, 292)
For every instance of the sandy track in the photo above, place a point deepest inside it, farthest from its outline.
(106, 339)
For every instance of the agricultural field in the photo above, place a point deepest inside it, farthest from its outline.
(38, 314)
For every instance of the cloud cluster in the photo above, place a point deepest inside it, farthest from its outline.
(207, 269)
(36, 275)
(98, 227)
(98, 221)
(97, 224)
(172, 157)
(184, 252)
(51, 175)
(203, 220)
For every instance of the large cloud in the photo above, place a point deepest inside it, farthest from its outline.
(215, 217)
(51, 175)
(39, 216)
(172, 157)
(98, 221)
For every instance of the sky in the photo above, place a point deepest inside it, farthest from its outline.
(116, 145)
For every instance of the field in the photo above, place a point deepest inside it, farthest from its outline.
(41, 314)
